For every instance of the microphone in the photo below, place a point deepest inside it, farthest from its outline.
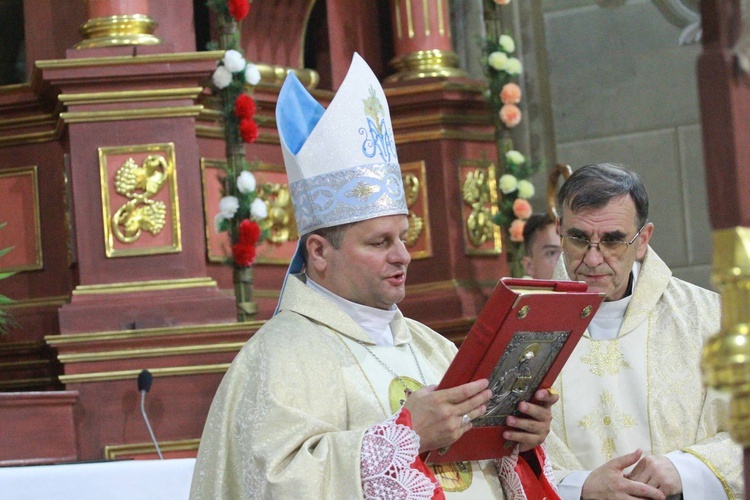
(144, 385)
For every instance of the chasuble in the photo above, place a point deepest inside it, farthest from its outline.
(292, 412)
(643, 389)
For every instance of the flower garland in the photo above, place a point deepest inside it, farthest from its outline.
(504, 94)
(240, 208)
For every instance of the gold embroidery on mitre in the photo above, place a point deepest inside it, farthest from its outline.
(361, 191)
(373, 109)
(605, 357)
(607, 421)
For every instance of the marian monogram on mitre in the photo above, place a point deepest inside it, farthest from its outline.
(378, 139)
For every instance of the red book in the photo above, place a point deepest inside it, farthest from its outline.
(520, 342)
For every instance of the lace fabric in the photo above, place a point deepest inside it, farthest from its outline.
(508, 471)
(387, 464)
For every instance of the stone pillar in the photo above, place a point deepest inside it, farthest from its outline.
(422, 40)
(117, 22)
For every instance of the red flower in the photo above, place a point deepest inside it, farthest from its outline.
(244, 106)
(249, 232)
(243, 254)
(248, 129)
(239, 9)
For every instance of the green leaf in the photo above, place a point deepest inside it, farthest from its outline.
(6, 275)
(5, 250)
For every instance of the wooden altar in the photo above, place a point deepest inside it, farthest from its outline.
(91, 310)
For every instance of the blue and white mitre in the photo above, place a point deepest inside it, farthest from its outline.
(341, 162)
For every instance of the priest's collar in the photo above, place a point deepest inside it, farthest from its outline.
(375, 322)
(610, 316)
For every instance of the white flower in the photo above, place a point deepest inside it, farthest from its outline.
(525, 189)
(515, 157)
(218, 219)
(513, 66)
(233, 61)
(258, 209)
(252, 74)
(498, 60)
(507, 43)
(228, 206)
(221, 77)
(246, 182)
(508, 183)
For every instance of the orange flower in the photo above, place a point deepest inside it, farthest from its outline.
(516, 230)
(522, 208)
(502, 2)
(510, 115)
(511, 93)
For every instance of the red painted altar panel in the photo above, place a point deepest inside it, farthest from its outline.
(19, 210)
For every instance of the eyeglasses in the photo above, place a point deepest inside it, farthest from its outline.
(577, 247)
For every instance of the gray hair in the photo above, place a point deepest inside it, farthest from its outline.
(593, 186)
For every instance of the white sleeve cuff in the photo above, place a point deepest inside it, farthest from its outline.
(698, 481)
(570, 486)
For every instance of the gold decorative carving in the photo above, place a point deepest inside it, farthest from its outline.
(140, 183)
(280, 221)
(726, 355)
(150, 207)
(413, 175)
(481, 235)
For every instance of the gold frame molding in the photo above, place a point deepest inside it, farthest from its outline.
(119, 451)
(168, 150)
(31, 170)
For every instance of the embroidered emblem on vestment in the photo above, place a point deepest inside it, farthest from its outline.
(605, 358)
(606, 422)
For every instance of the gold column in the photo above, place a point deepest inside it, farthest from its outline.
(117, 22)
(422, 40)
(726, 355)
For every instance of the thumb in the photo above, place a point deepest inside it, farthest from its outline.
(625, 461)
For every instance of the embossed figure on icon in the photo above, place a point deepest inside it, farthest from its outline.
(512, 385)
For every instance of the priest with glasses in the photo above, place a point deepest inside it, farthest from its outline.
(634, 420)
